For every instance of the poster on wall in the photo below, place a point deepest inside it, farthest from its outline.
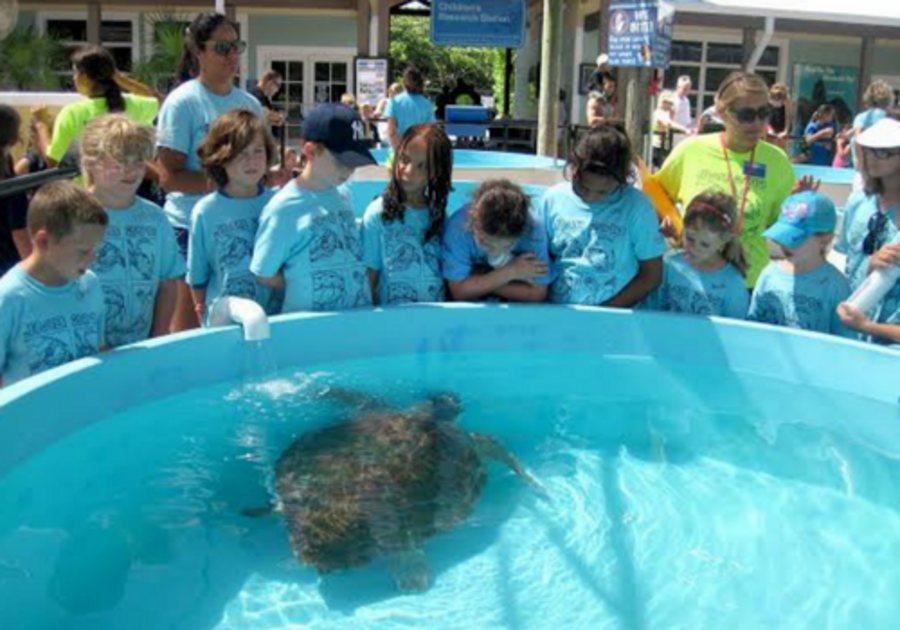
(371, 79)
(816, 85)
(640, 33)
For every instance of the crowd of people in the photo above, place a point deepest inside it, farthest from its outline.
(93, 265)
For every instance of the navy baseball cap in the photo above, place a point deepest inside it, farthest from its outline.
(803, 215)
(336, 126)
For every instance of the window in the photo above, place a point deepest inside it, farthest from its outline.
(331, 81)
(709, 62)
(118, 34)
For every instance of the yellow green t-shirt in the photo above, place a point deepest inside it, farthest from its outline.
(698, 165)
(72, 119)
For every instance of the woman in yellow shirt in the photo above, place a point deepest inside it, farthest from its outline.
(739, 162)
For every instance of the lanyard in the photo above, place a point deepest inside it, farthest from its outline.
(747, 176)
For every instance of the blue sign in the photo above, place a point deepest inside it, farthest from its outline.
(640, 33)
(483, 23)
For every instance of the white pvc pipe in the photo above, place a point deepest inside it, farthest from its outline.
(768, 31)
(220, 6)
(234, 310)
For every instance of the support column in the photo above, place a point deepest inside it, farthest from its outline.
(866, 63)
(749, 45)
(603, 33)
(525, 60)
(94, 18)
(231, 14)
(384, 28)
(548, 101)
(363, 18)
(573, 23)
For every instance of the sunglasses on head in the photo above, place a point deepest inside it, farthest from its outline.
(875, 237)
(883, 154)
(748, 115)
(226, 47)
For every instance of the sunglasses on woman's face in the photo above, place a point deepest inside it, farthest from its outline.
(224, 47)
(883, 154)
(747, 115)
(875, 237)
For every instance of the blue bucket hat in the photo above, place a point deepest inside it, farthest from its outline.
(803, 215)
(337, 127)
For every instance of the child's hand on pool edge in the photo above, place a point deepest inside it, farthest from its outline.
(526, 268)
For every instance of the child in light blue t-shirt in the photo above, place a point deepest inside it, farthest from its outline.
(604, 234)
(237, 154)
(882, 325)
(138, 264)
(496, 247)
(409, 108)
(308, 242)
(402, 228)
(803, 289)
(51, 305)
(707, 276)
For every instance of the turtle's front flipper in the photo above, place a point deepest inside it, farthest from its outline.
(261, 511)
(491, 448)
(411, 570)
(353, 398)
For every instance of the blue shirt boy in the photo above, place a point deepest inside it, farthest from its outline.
(598, 247)
(409, 268)
(807, 301)
(721, 293)
(409, 110)
(821, 152)
(183, 123)
(462, 256)
(42, 327)
(313, 237)
(221, 247)
(138, 252)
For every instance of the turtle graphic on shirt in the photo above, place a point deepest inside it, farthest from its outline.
(109, 257)
(241, 286)
(363, 289)
(807, 310)
(326, 242)
(144, 305)
(234, 249)
(432, 251)
(114, 298)
(87, 341)
(569, 242)
(142, 256)
(402, 293)
(769, 310)
(401, 256)
(329, 291)
(47, 352)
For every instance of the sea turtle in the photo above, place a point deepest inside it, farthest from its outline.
(382, 483)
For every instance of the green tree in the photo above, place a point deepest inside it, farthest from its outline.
(30, 61)
(442, 66)
(160, 69)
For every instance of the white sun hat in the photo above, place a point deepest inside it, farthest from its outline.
(885, 134)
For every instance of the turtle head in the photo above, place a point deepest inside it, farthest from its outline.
(445, 406)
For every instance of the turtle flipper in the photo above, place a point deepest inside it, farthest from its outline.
(411, 570)
(491, 448)
(262, 510)
(353, 398)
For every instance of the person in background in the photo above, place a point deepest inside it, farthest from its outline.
(877, 98)
(15, 244)
(682, 105)
(820, 136)
(602, 101)
(51, 304)
(35, 158)
(802, 290)
(843, 147)
(781, 122)
(184, 120)
(664, 124)
(378, 115)
(409, 108)
(268, 86)
(349, 100)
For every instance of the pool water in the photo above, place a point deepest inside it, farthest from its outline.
(674, 501)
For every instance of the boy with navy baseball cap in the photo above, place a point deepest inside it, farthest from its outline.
(803, 289)
(308, 242)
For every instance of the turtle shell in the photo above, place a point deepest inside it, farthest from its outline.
(376, 485)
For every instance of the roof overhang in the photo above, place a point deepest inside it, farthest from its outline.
(860, 12)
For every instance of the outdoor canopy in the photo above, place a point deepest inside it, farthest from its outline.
(871, 12)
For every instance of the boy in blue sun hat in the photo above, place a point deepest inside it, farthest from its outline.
(802, 290)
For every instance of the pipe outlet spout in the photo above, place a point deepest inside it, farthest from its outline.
(234, 310)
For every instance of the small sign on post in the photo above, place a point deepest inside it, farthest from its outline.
(371, 79)
(483, 23)
(640, 33)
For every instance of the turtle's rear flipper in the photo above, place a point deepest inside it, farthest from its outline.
(491, 448)
(259, 512)
(411, 570)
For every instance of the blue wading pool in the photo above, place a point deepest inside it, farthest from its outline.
(470, 159)
(698, 474)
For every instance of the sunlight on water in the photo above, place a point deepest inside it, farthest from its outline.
(669, 504)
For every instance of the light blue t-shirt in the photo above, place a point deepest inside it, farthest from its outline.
(888, 310)
(598, 247)
(807, 301)
(183, 123)
(722, 293)
(314, 239)
(462, 256)
(221, 246)
(409, 110)
(138, 252)
(858, 212)
(865, 120)
(42, 327)
(409, 268)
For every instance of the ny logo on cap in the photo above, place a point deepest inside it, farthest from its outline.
(359, 130)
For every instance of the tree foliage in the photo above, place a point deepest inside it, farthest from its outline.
(161, 68)
(31, 61)
(442, 66)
